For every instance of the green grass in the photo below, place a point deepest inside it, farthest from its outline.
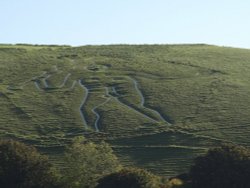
(200, 91)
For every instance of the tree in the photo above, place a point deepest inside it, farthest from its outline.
(23, 167)
(86, 162)
(226, 166)
(130, 178)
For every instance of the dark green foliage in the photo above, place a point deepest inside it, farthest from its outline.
(22, 166)
(224, 167)
(86, 162)
(130, 178)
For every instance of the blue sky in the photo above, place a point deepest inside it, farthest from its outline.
(81, 22)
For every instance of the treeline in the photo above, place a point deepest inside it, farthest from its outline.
(90, 165)
(40, 45)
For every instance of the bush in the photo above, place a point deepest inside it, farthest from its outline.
(23, 167)
(130, 178)
(224, 167)
(86, 162)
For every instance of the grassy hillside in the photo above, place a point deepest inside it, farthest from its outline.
(158, 105)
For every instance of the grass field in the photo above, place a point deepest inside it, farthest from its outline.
(159, 106)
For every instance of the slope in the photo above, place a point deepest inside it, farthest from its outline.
(157, 105)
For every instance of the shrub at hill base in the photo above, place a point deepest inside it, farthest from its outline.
(130, 178)
(23, 167)
(86, 162)
(224, 167)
